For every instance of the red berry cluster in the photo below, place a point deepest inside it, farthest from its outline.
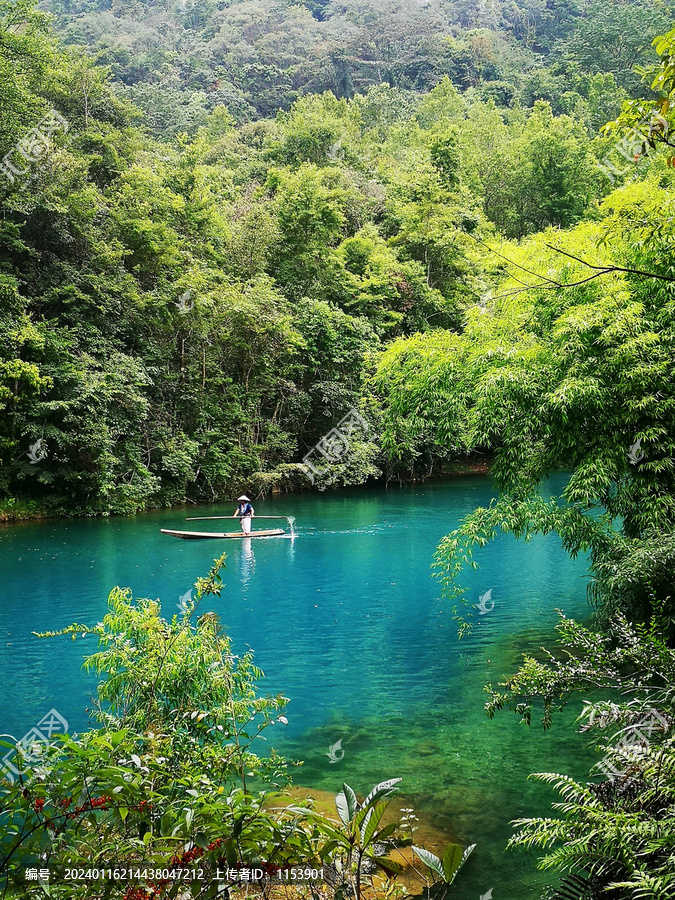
(137, 893)
(39, 802)
(157, 889)
(187, 857)
(96, 803)
(214, 844)
(270, 869)
(195, 853)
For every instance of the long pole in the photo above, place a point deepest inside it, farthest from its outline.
(203, 518)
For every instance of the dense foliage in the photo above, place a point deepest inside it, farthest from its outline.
(179, 60)
(181, 318)
(572, 373)
(614, 838)
(568, 364)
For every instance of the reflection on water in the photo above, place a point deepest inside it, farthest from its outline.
(247, 562)
(346, 620)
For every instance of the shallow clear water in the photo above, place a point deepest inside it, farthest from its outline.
(346, 620)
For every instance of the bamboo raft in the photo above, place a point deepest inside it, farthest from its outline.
(231, 535)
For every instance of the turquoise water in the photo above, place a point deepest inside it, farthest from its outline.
(346, 620)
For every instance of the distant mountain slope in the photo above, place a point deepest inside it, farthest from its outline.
(179, 59)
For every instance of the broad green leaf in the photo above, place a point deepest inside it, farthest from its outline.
(453, 860)
(383, 789)
(352, 802)
(387, 831)
(342, 805)
(369, 826)
(389, 866)
(433, 862)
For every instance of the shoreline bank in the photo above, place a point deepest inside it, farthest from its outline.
(17, 511)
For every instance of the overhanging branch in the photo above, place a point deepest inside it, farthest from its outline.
(551, 283)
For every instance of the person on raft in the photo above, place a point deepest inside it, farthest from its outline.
(244, 513)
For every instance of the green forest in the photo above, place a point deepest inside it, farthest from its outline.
(228, 223)
(188, 309)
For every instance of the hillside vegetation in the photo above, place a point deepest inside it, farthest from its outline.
(189, 312)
